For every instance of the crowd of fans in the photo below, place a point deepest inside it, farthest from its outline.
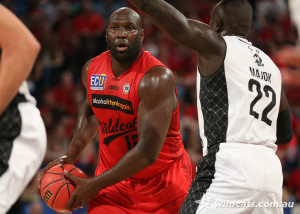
(73, 31)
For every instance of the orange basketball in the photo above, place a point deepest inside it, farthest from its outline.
(56, 189)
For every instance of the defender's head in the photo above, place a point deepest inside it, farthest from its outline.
(124, 34)
(232, 17)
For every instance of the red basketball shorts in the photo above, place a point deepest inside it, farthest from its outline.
(162, 194)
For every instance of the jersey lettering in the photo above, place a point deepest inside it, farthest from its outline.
(112, 102)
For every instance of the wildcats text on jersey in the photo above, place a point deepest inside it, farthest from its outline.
(116, 126)
(117, 129)
(112, 102)
(98, 81)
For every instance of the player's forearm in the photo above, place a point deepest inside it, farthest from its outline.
(168, 19)
(131, 163)
(162, 14)
(85, 131)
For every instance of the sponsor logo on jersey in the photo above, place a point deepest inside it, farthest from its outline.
(112, 102)
(256, 56)
(113, 87)
(126, 88)
(258, 60)
(98, 81)
(47, 196)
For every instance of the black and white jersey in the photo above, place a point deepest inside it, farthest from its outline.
(10, 124)
(240, 102)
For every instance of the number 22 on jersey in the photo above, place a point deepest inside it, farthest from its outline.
(261, 91)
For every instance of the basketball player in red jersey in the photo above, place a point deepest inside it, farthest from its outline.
(143, 167)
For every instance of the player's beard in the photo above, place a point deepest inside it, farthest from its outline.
(131, 53)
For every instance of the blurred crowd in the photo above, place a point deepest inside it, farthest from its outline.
(73, 31)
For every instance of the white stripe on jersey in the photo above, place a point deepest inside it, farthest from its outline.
(25, 91)
(200, 116)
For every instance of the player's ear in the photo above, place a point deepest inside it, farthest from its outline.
(142, 35)
(218, 25)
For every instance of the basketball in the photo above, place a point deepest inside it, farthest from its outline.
(56, 189)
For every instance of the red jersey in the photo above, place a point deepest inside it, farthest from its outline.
(115, 102)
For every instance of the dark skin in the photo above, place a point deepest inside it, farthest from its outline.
(157, 102)
(205, 40)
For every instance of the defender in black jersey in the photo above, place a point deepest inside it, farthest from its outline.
(242, 108)
(22, 131)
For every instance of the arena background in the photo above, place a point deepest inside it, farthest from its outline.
(72, 31)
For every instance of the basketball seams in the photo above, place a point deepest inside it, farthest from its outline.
(54, 173)
(62, 188)
(68, 188)
(68, 179)
(57, 193)
(73, 169)
(60, 173)
(52, 183)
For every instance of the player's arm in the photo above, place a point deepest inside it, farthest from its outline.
(157, 102)
(19, 50)
(193, 34)
(284, 122)
(85, 131)
(87, 123)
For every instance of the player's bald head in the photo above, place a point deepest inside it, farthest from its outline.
(126, 13)
(234, 15)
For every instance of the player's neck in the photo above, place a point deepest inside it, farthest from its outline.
(120, 67)
(233, 33)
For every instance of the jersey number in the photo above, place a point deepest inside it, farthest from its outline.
(131, 143)
(267, 90)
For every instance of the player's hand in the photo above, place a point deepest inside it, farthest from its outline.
(84, 192)
(59, 161)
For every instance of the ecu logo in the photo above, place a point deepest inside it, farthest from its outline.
(98, 81)
(47, 196)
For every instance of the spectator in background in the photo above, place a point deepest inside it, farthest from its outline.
(50, 60)
(88, 23)
(89, 26)
(293, 182)
(107, 7)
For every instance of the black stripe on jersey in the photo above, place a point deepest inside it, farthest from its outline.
(203, 179)
(112, 102)
(214, 104)
(10, 128)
